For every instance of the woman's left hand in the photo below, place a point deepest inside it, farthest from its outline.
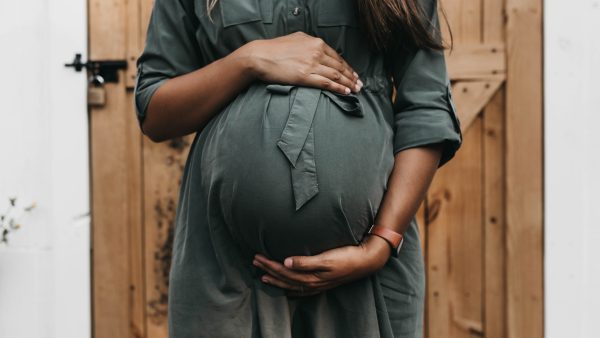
(310, 275)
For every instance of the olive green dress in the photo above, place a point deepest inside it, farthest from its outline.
(290, 170)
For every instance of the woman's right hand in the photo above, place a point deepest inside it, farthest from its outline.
(185, 103)
(301, 59)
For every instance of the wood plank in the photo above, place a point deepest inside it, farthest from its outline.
(139, 12)
(136, 252)
(107, 29)
(494, 229)
(493, 18)
(110, 180)
(437, 321)
(471, 22)
(524, 169)
(444, 11)
(471, 97)
(110, 216)
(455, 211)
(477, 61)
(466, 300)
(454, 243)
(134, 40)
(494, 188)
(135, 222)
(464, 18)
(422, 222)
(163, 168)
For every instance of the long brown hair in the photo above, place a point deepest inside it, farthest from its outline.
(385, 20)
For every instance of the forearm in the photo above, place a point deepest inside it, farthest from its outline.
(413, 172)
(186, 103)
(411, 176)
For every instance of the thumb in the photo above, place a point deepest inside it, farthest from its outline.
(305, 263)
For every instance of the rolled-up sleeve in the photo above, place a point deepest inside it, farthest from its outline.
(424, 112)
(171, 49)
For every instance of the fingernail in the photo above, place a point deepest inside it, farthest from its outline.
(347, 90)
(354, 73)
(360, 83)
(288, 262)
(356, 88)
(255, 262)
(265, 280)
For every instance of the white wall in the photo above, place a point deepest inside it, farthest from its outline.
(572, 168)
(45, 269)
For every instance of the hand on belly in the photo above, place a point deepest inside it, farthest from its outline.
(256, 185)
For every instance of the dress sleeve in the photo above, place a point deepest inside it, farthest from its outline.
(171, 49)
(424, 112)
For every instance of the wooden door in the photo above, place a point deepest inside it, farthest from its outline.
(481, 222)
(482, 219)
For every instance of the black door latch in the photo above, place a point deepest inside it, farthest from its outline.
(106, 69)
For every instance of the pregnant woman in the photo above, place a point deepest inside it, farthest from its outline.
(296, 210)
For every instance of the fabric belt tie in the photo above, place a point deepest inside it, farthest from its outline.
(297, 140)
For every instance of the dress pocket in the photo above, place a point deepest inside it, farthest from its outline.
(404, 310)
(236, 12)
(333, 13)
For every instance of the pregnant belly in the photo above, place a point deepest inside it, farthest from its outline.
(295, 170)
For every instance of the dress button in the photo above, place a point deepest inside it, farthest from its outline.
(296, 11)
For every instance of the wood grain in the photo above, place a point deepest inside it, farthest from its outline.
(163, 168)
(524, 216)
(134, 40)
(421, 217)
(455, 250)
(477, 61)
(454, 242)
(494, 189)
(494, 219)
(111, 180)
(471, 97)
(136, 238)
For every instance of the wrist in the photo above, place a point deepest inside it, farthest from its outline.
(248, 59)
(377, 250)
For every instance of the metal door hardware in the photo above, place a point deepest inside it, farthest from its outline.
(105, 69)
(96, 91)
